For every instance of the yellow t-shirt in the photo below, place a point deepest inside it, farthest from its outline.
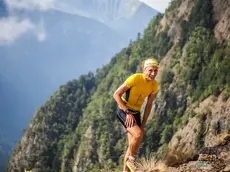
(139, 89)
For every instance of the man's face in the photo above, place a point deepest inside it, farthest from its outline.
(150, 72)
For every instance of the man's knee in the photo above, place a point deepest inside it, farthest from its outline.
(135, 133)
(138, 135)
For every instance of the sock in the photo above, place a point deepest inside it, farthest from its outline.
(131, 158)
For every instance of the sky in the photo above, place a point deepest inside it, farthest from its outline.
(159, 5)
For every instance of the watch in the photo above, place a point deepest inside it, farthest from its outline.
(127, 111)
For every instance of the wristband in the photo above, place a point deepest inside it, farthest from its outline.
(127, 111)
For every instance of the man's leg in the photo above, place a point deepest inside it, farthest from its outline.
(136, 136)
(134, 142)
(125, 168)
(139, 143)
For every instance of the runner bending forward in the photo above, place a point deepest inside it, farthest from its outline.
(137, 87)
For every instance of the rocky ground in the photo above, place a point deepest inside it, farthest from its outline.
(210, 159)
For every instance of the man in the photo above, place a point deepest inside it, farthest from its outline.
(137, 87)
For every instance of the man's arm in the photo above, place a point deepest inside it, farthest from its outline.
(148, 108)
(130, 120)
(117, 96)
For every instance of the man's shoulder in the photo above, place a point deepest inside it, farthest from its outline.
(134, 78)
(137, 75)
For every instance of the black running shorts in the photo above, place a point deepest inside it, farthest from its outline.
(121, 115)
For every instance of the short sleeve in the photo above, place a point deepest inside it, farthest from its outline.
(155, 87)
(130, 81)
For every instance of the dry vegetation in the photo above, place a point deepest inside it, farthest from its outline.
(150, 164)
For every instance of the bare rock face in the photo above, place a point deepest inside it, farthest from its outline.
(185, 139)
(83, 152)
(222, 17)
(172, 19)
(183, 12)
(218, 121)
(30, 145)
(215, 154)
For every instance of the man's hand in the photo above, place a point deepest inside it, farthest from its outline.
(130, 120)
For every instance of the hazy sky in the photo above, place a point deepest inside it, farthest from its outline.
(159, 5)
(8, 25)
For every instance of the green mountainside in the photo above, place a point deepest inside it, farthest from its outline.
(76, 129)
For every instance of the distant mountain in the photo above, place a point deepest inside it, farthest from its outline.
(74, 45)
(5, 150)
(102, 10)
(129, 27)
(31, 70)
(72, 42)
(126, 17)
(10, 123)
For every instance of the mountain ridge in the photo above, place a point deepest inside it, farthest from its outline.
(110, 10)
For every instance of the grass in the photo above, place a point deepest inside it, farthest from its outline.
(175, 158)
(150, 164)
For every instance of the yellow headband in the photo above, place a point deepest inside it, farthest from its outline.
(150, 62)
